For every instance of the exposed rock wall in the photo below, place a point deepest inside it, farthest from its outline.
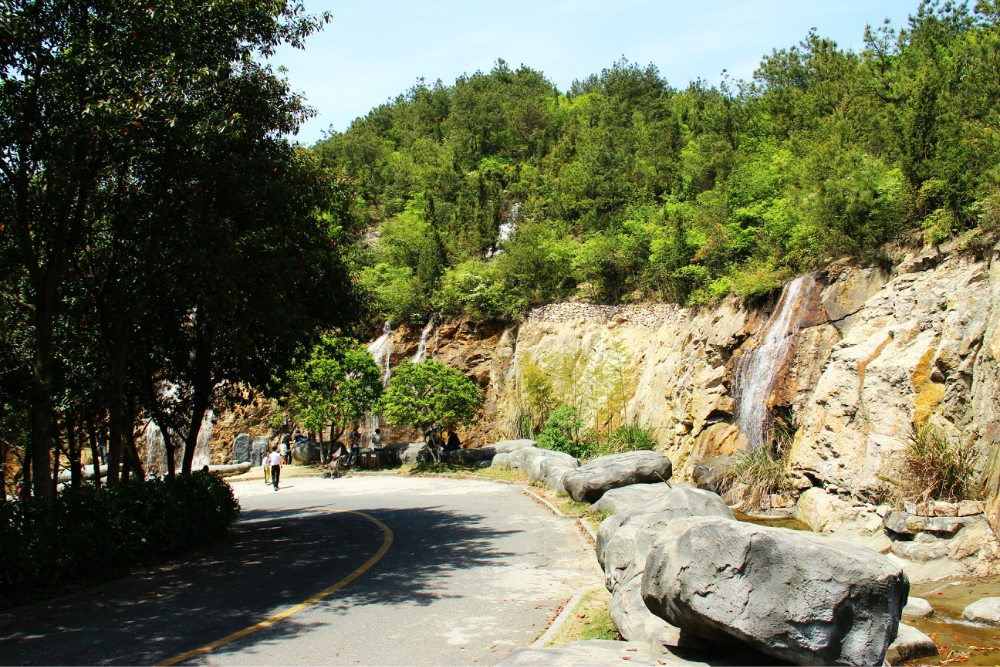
(877, 351)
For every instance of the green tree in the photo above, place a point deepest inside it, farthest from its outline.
(430, 393)
(336, 385)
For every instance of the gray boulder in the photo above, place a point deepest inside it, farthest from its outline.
(708, 473)
(917, 608)
(592, 480)
(986, 610)
(622, 551)
(634, 621)
(306, 451)
(790, 594)
(679, 500)
(508, 446)
(468, 457)
(910, 644)
(554, 479)
(414, 453)
(619, 500)
(548, 467)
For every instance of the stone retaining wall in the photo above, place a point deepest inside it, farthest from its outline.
(651, 316)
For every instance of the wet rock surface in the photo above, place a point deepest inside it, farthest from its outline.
(910, 644)
(986, 610)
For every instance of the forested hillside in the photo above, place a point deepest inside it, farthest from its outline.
(636, 189)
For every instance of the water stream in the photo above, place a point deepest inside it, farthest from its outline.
(757, 369)
(506, 229)
(422, 348)
(381, 349)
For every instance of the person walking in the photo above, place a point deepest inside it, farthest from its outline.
(265, 462)
(275, 459)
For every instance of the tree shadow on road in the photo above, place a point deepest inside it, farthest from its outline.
(272, 560)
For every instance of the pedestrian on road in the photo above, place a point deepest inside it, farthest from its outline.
(275, 458)
(354, 439)
(265, 462)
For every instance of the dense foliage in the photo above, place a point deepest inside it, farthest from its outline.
(430, 393)
(625, 187)
(336, 384)
(45, 542)
(163, 245)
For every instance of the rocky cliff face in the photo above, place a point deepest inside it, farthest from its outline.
(870, 353)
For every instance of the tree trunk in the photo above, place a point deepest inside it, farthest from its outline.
(200, 404)
(26, 473)
(94, 451)
(74, 453)
(135, 463)
(41, 387)
(56, 452)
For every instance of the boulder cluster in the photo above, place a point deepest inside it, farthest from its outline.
(689, 582)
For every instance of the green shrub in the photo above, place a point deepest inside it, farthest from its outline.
(562, 433)
(84, 532)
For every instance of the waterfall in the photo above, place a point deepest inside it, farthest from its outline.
(758, 368)
(506, 229)
(156, 449)
(381, 349)
(422, 348)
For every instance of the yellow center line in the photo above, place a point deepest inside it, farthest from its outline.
(386, 543)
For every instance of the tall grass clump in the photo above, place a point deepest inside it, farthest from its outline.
(629, 438)
(938, 467)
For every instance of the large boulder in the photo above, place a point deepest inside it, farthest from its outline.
(468, 457)
(414, 453)
(619, 500)
(646, 520)
(592, 480)
(304, 451)
(708, 473)
(623, 553)
(634, 621)
(548, 469)
(508, 446)
(791, 594)
(520, 459)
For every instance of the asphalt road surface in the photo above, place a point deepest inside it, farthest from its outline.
(459, 572)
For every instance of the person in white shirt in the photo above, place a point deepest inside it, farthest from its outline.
(275, 458)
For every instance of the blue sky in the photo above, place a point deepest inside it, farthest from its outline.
(376, 49)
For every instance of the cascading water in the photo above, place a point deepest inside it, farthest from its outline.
(422, 348)
(381, 349)
(506, 229)
(757, 369)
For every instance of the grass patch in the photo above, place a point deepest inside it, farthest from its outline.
(756, 474)
(442, 468)
(569, 506)
(596, 517)
(589, 620)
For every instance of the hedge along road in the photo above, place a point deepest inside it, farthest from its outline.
(360, 570)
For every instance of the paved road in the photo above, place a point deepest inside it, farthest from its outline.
(475, 570)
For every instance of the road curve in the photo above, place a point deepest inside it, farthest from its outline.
(452, 572)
